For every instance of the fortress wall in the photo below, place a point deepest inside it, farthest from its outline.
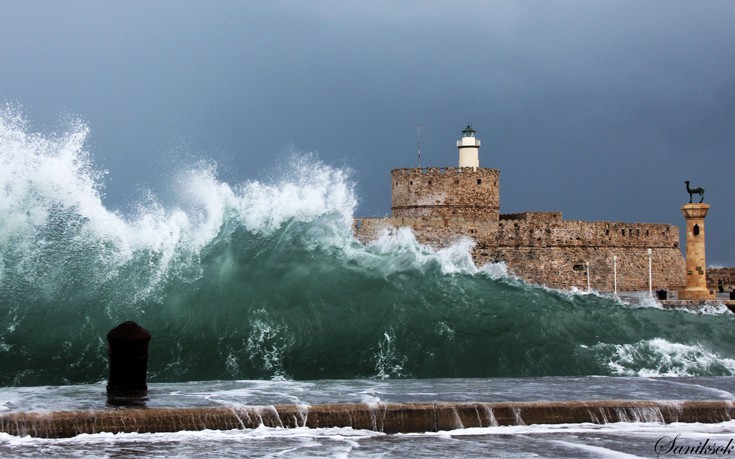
(368, 229)
(554, 253)
(724, 275)
(535, 216)
(447, 192)
(441, 232)
(434, 231)
(564, 267)
(557, 233)
(549, 253)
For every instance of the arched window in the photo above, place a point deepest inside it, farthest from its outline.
(696, 230)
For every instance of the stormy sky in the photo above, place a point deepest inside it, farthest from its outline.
(599, 110)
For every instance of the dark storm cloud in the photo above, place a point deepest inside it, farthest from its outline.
(598, 109)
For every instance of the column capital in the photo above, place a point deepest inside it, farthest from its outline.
(695, 210)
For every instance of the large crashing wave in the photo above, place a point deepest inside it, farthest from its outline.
(264, 280)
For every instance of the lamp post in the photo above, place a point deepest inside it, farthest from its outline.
(615, 274)
(650, 277)
(588, 274)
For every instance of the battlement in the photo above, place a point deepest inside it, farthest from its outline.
(533, 216)
(440, 171)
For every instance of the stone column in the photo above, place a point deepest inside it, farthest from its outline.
(696, 288)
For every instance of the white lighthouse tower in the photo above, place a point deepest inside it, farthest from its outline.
(469, 148)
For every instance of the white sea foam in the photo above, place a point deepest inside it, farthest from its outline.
(308, 191)
(710, 309)
(37, 172)
(44, 173)
(399, 250)
(616, 440)
(389, 363)
(497, 271)
(629, 428)
(403, 249)
(267, 344)
(659, 357)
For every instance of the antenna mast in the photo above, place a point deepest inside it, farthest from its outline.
(418, 141)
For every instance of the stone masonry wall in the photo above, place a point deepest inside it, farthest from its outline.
(368, 229)
(726, 275)
(443, 204)
(446, 192)
(555, 253)
(433, 231)
(558, 233)
(564, 267)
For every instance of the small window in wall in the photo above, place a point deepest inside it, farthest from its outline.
(696, 230)
(578, 267)
(622, 231)
(479, 181)
(429, 182)
(473, 230)
(456, 182)
(411, 182)
(607, 232)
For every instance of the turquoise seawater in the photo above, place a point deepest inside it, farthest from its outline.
(263, 279)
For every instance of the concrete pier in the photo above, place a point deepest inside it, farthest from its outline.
(697, 304)
(676, 302)
(388, 418)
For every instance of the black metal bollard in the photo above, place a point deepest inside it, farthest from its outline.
(128, 357)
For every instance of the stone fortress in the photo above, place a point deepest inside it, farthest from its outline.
(443, 204)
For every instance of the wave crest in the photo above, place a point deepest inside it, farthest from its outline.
(264, 279)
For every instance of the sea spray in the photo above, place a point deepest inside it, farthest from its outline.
(658, 357)
(263, 279)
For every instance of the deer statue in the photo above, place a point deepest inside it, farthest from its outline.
(692, 191)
